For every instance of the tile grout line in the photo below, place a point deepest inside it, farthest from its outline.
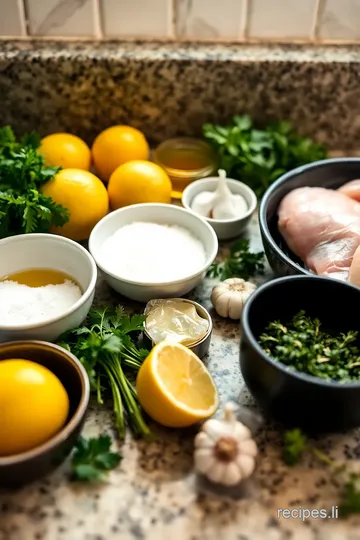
(244, 20)
(22, 17)
(98, 31)
(316, 20)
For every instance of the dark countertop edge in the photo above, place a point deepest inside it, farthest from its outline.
(183, 51)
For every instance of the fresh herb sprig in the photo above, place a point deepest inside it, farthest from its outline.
(303, 345)
(241, 262)
(296, 444)
(106, 346)
(258, 156)
(93, 459)
(23, 208)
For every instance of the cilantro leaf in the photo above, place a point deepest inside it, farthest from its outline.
(107, 348)
(92, 459)
(23, 208)
(111, 343)
(259, 156)
(241, 262)
(132, 324)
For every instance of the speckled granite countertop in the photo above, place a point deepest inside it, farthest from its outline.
(169, 89)
(166, 90)
(153, 495)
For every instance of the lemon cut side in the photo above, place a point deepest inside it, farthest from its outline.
(175, 388)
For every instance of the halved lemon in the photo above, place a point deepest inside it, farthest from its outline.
(174, 387)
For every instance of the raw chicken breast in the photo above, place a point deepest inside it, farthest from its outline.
(351, 189)
(322, 227)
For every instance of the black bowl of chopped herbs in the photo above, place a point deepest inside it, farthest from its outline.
(300, 352)
(327, 173)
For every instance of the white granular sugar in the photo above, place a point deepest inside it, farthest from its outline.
(20, 304)
(153, 253)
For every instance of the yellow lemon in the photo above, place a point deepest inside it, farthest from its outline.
(174, 387)
(34, 405)
(65, 150)
(139, 182)
(85, 197)
(115, 146)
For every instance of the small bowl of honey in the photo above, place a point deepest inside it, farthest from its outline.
(47, 286)
(185, 159)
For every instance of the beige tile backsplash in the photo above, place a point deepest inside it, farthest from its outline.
(204, 19)
(12, 18)
(283, 19)
(209, 20)
(137, 18)
(68, 18)
(340, 19)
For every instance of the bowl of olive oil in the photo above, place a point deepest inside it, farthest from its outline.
(47, 286)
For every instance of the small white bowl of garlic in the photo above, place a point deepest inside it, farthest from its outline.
(226, 204)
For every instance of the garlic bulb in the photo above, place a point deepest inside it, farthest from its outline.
(227, 205)
(230, 295)
(220, 204)
(225, 451)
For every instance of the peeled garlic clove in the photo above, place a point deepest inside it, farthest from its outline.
(203, 203)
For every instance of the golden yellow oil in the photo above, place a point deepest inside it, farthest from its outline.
(38, 277)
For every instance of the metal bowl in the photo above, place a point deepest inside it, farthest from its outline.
(201, 347)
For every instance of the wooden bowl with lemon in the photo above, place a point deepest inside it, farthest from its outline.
(44, 395)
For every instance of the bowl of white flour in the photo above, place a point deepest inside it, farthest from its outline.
(148, 251)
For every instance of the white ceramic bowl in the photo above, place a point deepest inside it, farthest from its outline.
(157, 213)
(227, 228)
(28, 251)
